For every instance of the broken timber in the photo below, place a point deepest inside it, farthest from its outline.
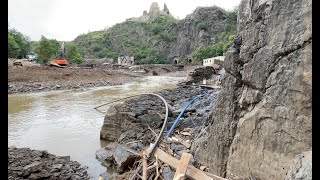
(183, 165)
(183, 142)
(191, 171)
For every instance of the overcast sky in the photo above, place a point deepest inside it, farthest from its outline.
(64, 20)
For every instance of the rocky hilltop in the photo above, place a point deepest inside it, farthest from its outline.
(262, 120)
(156, 36)
(200, 28)
(153, 13)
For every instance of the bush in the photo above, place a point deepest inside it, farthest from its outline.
(202, 26)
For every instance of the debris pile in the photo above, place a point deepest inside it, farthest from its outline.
(204, 75)
(135, 125)
(24, 163)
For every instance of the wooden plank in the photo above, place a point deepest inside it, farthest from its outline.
(214, 176)
(183, 165)
(191, 172)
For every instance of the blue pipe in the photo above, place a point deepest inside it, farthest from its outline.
(181, 113)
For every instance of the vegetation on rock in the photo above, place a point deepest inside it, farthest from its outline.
(162, 39)
(225, 39)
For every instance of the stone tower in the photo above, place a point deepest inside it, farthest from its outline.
(154, 10)
(165, 9)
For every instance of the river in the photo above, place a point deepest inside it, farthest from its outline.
(65, 122)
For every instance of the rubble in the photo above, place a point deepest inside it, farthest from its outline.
(135, 125)
(199, 74)
(24, 163)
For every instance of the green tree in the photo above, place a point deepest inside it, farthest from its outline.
(13, 47)
(47, 50)
(21, 40)
(73, 54)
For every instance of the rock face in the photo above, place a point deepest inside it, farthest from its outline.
(24, 163)
(166, 9)
(262, 119)
(190, 35)
(301, 167)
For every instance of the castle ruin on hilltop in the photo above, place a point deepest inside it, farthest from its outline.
(153, 13)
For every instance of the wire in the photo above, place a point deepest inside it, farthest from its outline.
(181, 113)
(164, 123)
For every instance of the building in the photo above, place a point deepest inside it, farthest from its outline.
(126, 60)
(219, 60)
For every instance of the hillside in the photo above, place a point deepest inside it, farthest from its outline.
(157, 37)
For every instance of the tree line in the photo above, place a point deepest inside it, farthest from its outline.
(20, 45)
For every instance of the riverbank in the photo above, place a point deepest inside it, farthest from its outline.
(44, 78)
(24, 163)
(36, 79)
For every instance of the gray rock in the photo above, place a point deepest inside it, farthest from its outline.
(36, 166)
(177, 147)
(106, 154)
(183, 151)
(22, 165)
(301, 168)
(123, 158)
(40, 175)
(167, 173)
(57, 166)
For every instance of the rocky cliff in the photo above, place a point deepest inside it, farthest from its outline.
(262, 119)
(198, 29)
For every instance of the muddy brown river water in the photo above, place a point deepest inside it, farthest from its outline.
(65, 123)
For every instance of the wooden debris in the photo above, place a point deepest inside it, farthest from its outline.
(130, 150)
(183, 165)
(144, 165)
(185, 133)
(179, 177)
(183, 142)
(191, 172)
(153, 131)
(202, 168)
(157, 167)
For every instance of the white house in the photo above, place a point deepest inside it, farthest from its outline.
(219, 60)
(126, 60)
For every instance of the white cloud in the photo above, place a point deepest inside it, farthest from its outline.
(66, 19)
